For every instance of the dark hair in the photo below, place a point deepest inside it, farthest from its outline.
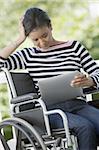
(35, 18)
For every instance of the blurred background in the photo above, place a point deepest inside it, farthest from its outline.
(71, 19)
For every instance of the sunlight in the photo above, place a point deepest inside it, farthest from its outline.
(94, 8)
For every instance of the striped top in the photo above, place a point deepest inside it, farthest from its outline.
(68, 56)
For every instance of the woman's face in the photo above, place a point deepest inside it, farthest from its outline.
(42, 37)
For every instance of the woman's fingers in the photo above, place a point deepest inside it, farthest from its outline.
(21, 29)
(79, 80)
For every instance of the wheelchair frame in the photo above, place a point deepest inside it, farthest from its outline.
(69, 142)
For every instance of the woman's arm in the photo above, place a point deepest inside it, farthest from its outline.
(5, 52)
(89, 66)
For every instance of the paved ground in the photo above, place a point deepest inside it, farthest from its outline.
(12, 145)
(1, 147)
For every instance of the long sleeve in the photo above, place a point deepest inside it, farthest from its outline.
(88, 64)
(14, 61)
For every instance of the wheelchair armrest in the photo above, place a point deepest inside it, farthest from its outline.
(90, 90)
(24, 98)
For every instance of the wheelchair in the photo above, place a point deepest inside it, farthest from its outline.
(29, 119)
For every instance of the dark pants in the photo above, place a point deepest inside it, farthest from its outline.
(83, 120)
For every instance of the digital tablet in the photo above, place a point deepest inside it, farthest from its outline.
(58, 88)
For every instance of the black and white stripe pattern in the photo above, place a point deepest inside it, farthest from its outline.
(58, 59)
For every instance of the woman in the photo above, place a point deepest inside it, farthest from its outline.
(50, 57)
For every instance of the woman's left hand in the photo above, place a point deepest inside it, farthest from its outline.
(81, 80)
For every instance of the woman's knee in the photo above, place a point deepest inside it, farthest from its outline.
(86, 129)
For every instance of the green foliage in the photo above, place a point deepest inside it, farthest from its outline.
(8, 134)
(70, 19)
(4, 101)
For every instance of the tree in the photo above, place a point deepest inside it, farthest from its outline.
(71, 20)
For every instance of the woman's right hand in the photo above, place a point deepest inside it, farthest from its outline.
(22, 35)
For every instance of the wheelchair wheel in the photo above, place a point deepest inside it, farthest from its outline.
(25, 136)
